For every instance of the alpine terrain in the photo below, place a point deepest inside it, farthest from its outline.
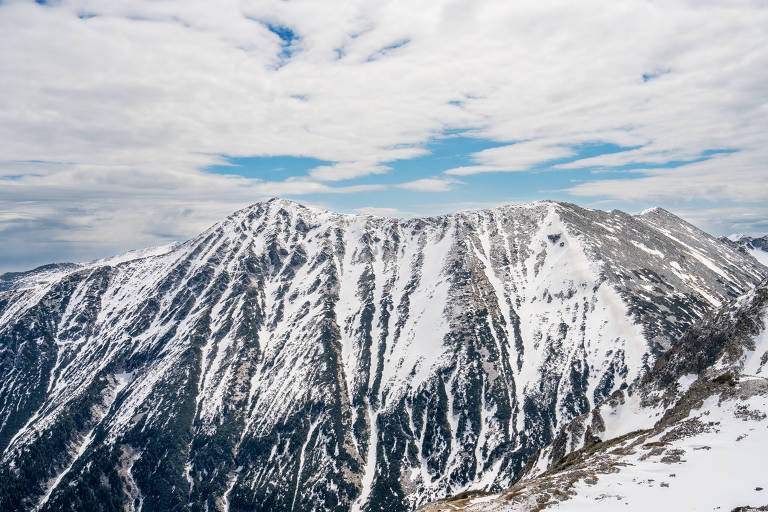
(690, 435)
(757, 247)
(295, 359)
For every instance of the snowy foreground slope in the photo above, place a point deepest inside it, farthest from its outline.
(290, 358)
(692, 435)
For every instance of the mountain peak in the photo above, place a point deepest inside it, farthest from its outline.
(287, 204)
(273, 206)
(656, 210)
(291, 358)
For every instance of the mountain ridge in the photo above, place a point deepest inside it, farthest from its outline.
(10, 276)
(649, 445)
(757, 247)
(294, 359)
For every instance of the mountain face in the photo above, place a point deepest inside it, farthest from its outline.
(757, 247)
(290, 358)
(691, 434)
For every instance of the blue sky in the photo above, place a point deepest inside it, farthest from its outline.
(483, 190)
(444, 152)
(128, 124)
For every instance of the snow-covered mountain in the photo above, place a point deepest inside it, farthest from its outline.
(290, 358)
(690, 435)
(757, 247)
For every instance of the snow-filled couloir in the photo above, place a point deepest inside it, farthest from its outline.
(290, 358)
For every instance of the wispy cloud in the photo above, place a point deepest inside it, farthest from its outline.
(347, 170)
(514, 158)
(430, 184)
(121, 105)
(738, 177)
(381, 211)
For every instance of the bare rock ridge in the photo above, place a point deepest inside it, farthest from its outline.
(290, 358)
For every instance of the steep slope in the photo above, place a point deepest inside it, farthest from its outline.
(290, 358)
(40, 275)
(757, 247)
(691, 435)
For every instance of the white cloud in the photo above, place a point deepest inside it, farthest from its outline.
(123, 108)
(82, 214)
(514, 158)
(429, 184)
(738, 177)
(645, 155)
(148, 82)
(346, 170)
(380, 211)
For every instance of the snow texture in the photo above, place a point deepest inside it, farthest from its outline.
(290, 358)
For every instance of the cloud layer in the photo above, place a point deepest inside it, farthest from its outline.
(110, 112)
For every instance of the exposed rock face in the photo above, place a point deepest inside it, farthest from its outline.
(295, 359)
(757, 247)
(706, 452)
(689, 435)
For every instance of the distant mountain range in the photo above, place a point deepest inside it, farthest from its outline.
(757, 247)
(294, 359)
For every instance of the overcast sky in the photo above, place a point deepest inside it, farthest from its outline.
(126, 124)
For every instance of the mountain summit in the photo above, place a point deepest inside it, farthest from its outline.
(290, 358)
